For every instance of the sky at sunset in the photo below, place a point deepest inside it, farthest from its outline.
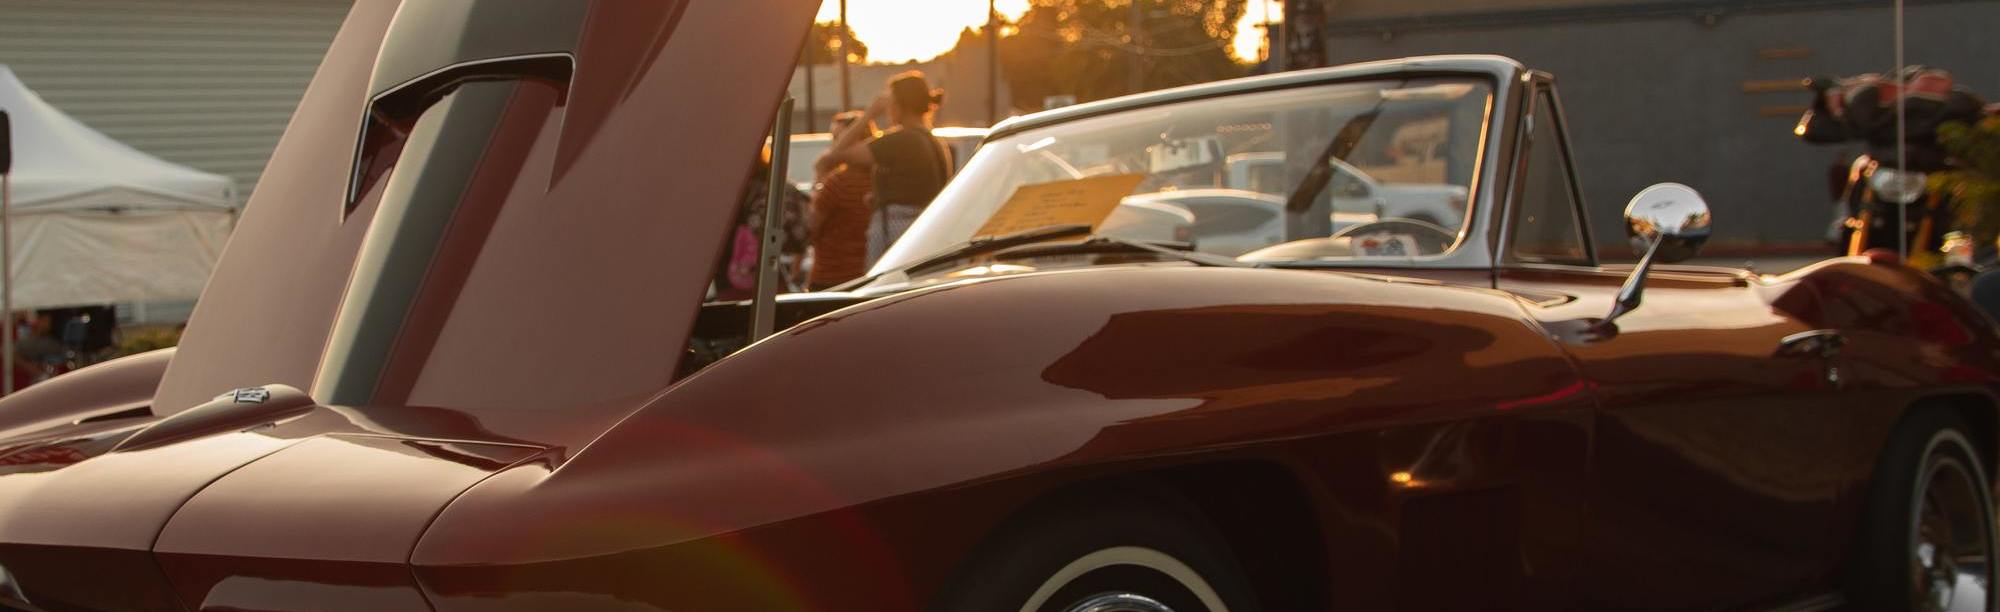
(903, 30)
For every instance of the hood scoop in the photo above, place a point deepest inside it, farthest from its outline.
(230, 412)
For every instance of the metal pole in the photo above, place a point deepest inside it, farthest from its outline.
(1902, 141)
(1138, 80)
(1270, 39)
(846, 42)
(992, 62)
(1284, 38)
(7, 280)
(765, 310)
(812, 101)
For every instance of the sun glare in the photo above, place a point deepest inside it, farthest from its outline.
(898, 31)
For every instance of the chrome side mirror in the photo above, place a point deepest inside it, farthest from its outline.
(1668, 222)
(1669, 217)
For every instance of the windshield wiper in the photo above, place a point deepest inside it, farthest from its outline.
(975, 247)
(1101, 243)
(1321, 173)
(1343, 145)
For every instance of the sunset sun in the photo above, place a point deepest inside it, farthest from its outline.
(898, 31)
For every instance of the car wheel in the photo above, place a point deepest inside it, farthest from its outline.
(1927, 540)
(1135, 553)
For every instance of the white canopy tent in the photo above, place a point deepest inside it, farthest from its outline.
(99, 222)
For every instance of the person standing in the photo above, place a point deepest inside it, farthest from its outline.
(911, 166)
(736, 275)
(840, 216)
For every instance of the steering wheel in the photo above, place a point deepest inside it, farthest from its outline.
(1429, 237)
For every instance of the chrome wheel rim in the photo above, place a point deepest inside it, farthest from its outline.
(1951, 549)
(1119, 602)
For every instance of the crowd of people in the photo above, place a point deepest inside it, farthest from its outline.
(882, 168)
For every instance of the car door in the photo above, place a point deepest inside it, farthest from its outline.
(1706, 488)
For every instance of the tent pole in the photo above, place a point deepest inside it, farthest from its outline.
(7, 282)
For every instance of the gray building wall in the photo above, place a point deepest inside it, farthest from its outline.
(209, 84)
(1658, 92)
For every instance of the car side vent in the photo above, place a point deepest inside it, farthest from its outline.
(394, 113)
(131, 413)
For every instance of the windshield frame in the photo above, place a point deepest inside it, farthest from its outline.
(1474, 249)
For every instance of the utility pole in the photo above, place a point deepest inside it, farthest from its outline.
(1270, 39)
(992, 62)
(1137, 43)
(846, 43)
(812, 101)
(1281, 42)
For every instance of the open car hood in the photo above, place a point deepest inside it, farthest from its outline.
(508, 205)
(491, 224)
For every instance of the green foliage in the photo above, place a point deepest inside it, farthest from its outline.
(823, 45)
(1091, 48)
(145, 341)
(1975, 186)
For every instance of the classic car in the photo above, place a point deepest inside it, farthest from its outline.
(456, 358)
(1227, 221)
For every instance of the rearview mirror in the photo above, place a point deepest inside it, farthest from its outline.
(1183, 154)
(1667, 222)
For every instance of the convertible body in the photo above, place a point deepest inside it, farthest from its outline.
(456, 358)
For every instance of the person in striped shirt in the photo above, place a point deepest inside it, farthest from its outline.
(840, 215)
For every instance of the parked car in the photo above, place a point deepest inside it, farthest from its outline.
(963, 141)
(1354, 191)
(492, 385)
(1225, 221)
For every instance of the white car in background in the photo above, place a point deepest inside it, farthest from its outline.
(1223, 221)
(1354, 192)
(806, 149)
(1148, 221)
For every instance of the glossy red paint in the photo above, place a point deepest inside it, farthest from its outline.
(1724, 463)
(570, 193)
(1135, 367)
(1359, 438)
(121, 388)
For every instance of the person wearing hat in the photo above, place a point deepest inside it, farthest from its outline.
(910, 165)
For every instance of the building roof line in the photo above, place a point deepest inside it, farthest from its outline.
(1697, 9)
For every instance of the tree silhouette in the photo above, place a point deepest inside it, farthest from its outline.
(1090, 48)
(824, 43)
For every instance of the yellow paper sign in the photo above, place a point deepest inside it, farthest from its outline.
(1079, 202)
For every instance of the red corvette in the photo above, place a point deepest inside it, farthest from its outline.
(464, 364)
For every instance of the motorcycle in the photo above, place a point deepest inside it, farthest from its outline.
(1883, 201)
(1890, 205)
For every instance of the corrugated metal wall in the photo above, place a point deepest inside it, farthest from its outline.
(1705, 102)
(205, 83)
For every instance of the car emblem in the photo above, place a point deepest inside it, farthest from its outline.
(253, 395)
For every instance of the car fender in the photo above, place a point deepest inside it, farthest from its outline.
(121, 388)
(1908, 340)
(981, 382)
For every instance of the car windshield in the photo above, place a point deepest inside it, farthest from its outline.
(1396, 162)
